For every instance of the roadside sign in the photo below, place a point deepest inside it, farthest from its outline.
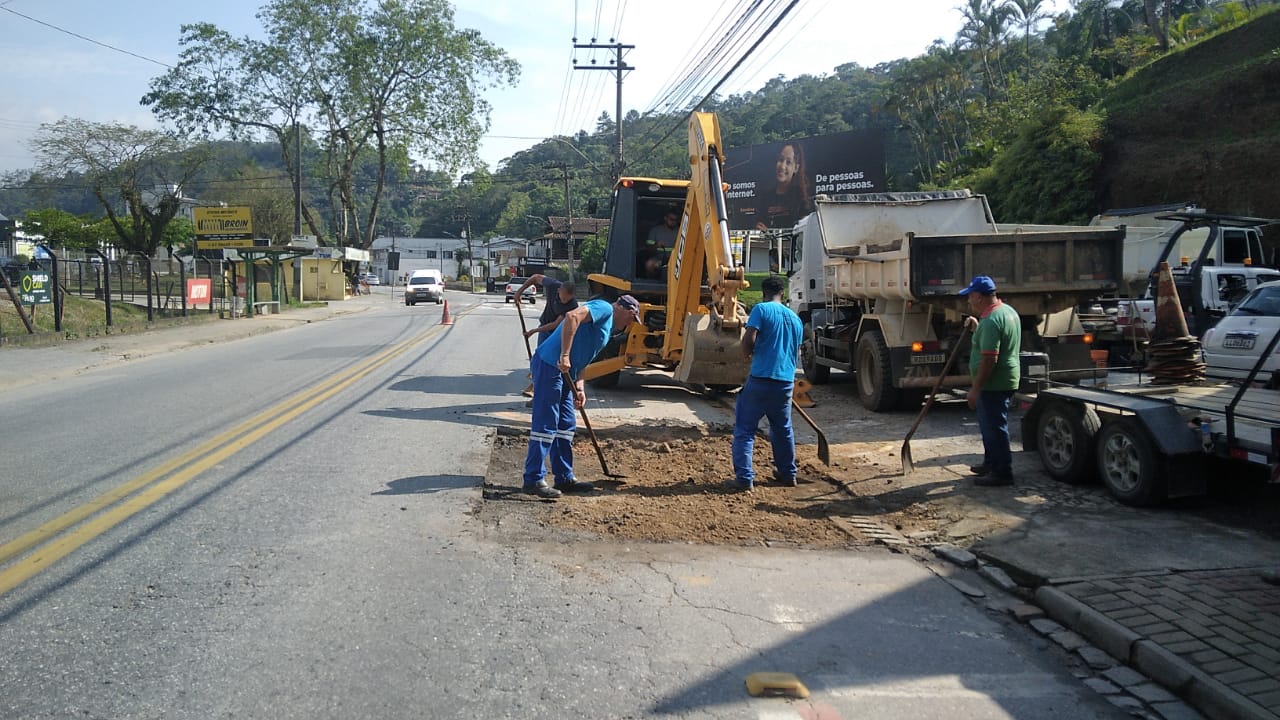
(199, 291)
(223, 227)
(34, 288)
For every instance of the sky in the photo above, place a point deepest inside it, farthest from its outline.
(56, 64)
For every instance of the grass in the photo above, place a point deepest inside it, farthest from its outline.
(84, 318)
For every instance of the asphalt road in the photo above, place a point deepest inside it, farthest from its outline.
(282, 526)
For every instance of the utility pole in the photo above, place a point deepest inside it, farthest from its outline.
(568, 211)
(618, 67)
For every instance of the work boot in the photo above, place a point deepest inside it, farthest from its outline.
(982, 469)
(543, 491)
(779, 479)
(736, 485)
(992, 480)
(574, 485)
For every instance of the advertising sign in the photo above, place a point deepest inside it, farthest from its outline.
(34, 288)
(771, 186)
(223, 227)
(199, 291)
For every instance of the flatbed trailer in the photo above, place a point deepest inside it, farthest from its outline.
(1150, 442)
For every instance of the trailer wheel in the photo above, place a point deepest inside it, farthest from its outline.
(815, 373)
(1065, 439)
(874, 377)
(1129, 464)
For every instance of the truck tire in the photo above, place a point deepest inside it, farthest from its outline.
(1129, 464)
(873, 375)
(1065, 439)
(813, 372)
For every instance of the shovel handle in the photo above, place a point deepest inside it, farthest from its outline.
(523, 330)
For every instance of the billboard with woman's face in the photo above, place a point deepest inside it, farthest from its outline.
(771, 186)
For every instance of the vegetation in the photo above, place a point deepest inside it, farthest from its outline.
(1112, 103)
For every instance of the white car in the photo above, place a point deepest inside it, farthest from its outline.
(1232, 347)
(371, 279)
(530, 293)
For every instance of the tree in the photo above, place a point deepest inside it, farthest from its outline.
(1029, 12)
(144, 170)
(378, 82)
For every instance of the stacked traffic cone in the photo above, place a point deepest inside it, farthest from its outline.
(1173, 356)
(446, 319)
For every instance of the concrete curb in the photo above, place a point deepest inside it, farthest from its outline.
(1209, 696)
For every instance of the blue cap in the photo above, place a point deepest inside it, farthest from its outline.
(982, 284)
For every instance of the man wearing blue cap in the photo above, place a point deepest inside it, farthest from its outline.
(993, 364)
(557, 390)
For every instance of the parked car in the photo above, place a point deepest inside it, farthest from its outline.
(424, 286)
(1232, 347)
(513, 285)
(371, 279)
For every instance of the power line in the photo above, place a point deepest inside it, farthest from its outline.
(85, 38)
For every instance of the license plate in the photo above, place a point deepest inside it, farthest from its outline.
(1238, 342)
(928, 359)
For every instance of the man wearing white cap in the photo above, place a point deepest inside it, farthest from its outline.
(993, 364)
(566, 352)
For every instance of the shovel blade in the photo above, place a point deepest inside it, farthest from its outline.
(907, 466)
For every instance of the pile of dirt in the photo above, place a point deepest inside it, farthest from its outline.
(674, 490)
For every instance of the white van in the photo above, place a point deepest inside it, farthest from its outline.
(425, 286)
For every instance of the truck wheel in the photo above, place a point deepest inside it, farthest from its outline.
(815, 373)
(873, 373)
(1129, 464)
(1065, 439)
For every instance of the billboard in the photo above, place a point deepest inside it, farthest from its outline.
(223, 227)
(772, 185)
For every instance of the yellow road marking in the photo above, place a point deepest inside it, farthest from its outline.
(168, 477)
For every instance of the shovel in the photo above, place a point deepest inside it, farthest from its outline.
(604, 467)
(907, 467)
(824, 450)
(528, 392)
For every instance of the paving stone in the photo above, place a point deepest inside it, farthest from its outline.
(1188, 647)
(1109, 606)
(956, 555)
(1024, 612)
(1268, 667)
(1221, 666)
(1226, 646)
(1124, 676)
(1109, 585)
(1201, 657)
(1176, 711)
(1096, 658)
(1136, 621)
(1169, 638)
(1068, 640)
(997, 577)
(1232, 634)
(1237, 676)
(1128, 612)
(1163, 613)
(1152, 693)
(1192, 627)
(1102, 687)
(1270, 700)
(1045, 626)
(1156, 628)
(1255, 687)
(1125, 702)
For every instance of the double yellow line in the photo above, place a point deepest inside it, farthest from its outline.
(64, 534)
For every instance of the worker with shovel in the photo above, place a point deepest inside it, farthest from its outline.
(772, 341)
(561, 297)
(993, 363)
(558, 390)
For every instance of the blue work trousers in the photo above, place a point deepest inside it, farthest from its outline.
(762, 397)
(993, 422)
(552, 427)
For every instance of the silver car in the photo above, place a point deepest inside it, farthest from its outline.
(1233, 346)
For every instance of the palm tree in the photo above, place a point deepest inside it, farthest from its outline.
(1029, 13)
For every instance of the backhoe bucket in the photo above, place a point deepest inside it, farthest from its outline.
(712, 356)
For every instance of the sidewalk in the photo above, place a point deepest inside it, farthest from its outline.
(1211, 637)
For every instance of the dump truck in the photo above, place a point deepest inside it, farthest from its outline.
(687, 282)
(876, 278)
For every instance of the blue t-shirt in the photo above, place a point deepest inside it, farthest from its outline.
(778, 334)
(587, 342)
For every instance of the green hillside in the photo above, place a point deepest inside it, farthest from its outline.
(1200, 125)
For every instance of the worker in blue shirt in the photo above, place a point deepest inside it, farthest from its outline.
(772, 342)
(557, 390)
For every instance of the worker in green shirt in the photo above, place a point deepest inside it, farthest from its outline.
(993, 364)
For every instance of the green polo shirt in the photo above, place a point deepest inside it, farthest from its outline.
(999, 333)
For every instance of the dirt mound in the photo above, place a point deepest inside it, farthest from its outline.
(674, 489)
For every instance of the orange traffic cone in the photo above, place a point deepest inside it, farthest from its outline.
(446, 319)
(1170, 322)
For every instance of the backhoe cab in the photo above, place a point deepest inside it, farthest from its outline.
(685, 278)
